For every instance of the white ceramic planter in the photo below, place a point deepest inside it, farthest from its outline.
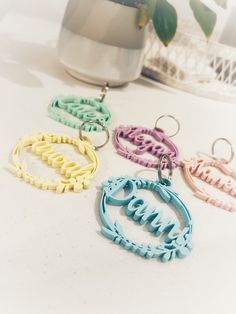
(101, 42)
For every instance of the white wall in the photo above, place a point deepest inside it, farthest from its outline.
(54, 12)
(56, 9)
(185, 12)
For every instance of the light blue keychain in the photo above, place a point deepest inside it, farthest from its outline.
(177, 240)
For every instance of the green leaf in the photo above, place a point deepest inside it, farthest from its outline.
(165, 21)
(146, 12)
(204, 16)
(151, 5)
(144, 15)
(222, 3)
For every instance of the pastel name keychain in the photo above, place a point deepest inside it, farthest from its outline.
(136, 136)
(204, 167)
(176, 239)
(81, 109)
(74, 176)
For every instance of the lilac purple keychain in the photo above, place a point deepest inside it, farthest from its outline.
(160, 144)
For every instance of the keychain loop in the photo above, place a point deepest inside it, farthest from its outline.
(104, 128)
(160, 167)
(104, 91)
(173, 118)
(204, 169)
(227, 142)
(74, 176)
(73, 110)
(174, 239)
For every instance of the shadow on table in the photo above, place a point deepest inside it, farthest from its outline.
(151, 84)
(39, 9)
(20, 60)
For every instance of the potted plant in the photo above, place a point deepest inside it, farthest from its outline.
(103, 40)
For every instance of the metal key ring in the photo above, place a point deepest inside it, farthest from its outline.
(104, 91)
(170, 167)
(230, 145)
(173, 118)
(104, 128)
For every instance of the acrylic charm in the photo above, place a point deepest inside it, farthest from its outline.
(159, 144)
(175, 238)
(73, 111)
(214, 171)
(74, 176)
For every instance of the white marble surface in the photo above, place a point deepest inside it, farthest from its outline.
(52, 258)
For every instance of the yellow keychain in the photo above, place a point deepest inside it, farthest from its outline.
(74, 177)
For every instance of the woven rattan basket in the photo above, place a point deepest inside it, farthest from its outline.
(192, 64)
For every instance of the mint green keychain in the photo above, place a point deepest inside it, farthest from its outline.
(64, 108)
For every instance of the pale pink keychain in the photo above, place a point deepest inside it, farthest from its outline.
(204, 168)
